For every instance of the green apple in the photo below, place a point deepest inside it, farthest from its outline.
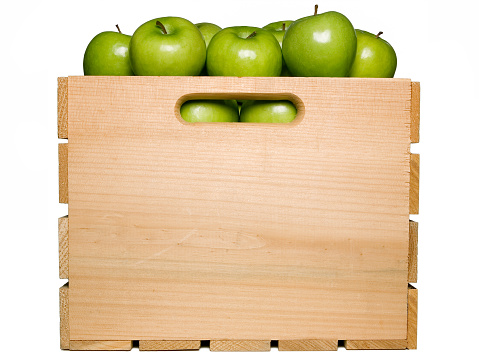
(107, 55)
(244, 51)
(208, 30)
(375, 57)
(210, 111)
(278, 29)
(268, 111)
(167, 46)
(320, 45)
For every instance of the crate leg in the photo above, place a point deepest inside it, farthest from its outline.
(307, 345)
(240, 345)
(153, 345)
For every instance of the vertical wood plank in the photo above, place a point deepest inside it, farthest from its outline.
(375, 344)
(62, 107)
(415, 111)
(240, 345)
(154, 345)
(414, 184)
(64, 318)
(307, 345)
(63, 172)
(63, 246)
(412, 318)
(412, 257)
(110, 345)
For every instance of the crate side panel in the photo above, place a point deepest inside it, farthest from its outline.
(238, 230)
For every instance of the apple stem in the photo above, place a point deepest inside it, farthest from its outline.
(253, 34)
(162, 26)
(118, 28)
(379, 34)
(315, 9)
(284, 26)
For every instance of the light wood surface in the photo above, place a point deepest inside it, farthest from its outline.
(307, 345)
(155, 345)
(63, 246)
(415, 111)
(62, 107)
(63, 172)
(245, 231)
(414, 185)
(375, 344)
(240, 345)
(412, 260)
(64, 318)
(101, 345)
(412, 318)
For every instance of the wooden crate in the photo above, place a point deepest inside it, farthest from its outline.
(233, 233)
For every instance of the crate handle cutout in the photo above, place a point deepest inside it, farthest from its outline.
(188, 104)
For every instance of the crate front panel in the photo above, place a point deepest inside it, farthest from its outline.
(238, 231)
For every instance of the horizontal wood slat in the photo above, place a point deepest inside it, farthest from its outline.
(64, 318)
(154, 345)
(414, 185)
(62, 107)
(101, 345)
(63, 172)
(412, 318)
(307, 345)
(63, 246)
(375, 344)
(413, 246)
(415, 111)
(240, 345)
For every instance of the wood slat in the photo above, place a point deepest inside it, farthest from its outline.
(153, 345)
(110, 345)
(63, 172)
(414, 184)
(415, 111)
(62, 107)
(240, 345)
(307, 345)
(412, 318)
(375, 344)
(64, 318)
(412, 258)
(63, 246)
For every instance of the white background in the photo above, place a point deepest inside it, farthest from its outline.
(436, 43)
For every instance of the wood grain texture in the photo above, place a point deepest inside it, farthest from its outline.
(414, 185)
(307, 345)
(412, 318)
(415, 111)
(413, 244)
(64, 318)
(62, 107)
(244, 231)
(240, 345)
(375, 344)
(63, 246)
(63, 172)
(101, 345)
(155, 345)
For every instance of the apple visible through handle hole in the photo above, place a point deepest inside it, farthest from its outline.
(204, 110)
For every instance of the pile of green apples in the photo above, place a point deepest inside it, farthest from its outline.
(320, 45)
